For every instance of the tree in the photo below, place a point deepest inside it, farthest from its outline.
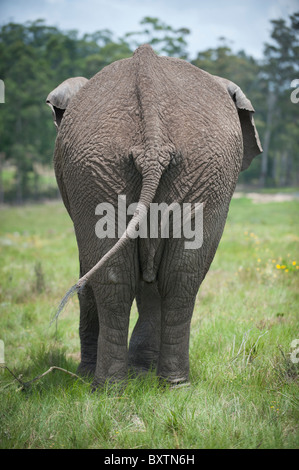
(280, 67)
(163, 38)
(23, 71)
(35, 58)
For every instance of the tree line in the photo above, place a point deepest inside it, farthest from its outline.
(36, 57)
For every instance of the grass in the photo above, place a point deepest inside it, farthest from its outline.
(244, 385)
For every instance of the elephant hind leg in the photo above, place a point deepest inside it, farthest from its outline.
(88, 330)
(144, 347)
(175, 331)
(178, 281)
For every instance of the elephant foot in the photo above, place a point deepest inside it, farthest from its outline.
(174, 383)
(86, 369)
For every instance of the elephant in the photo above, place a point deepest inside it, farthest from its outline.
(155, 129)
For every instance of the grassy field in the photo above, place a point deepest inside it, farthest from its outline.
(244, 374)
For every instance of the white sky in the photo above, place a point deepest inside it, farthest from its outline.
(244, 22)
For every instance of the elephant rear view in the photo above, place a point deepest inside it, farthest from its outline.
(157, 131)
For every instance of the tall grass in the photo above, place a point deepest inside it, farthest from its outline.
(244, 385)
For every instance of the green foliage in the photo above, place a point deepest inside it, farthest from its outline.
(36, 57)
(244, 386)
(280, 163)
(162, 37)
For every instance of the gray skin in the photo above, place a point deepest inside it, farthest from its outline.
(155, 129)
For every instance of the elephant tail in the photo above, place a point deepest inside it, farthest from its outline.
(150, 185)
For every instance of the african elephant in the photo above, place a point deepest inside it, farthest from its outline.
(155, 129)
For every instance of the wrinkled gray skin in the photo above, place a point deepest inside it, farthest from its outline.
(155, 129)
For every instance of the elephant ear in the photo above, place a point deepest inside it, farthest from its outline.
(61, 96)
(251, 142)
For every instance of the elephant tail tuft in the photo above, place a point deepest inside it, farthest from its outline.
(72, 291)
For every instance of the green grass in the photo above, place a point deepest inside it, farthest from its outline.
(244, 386)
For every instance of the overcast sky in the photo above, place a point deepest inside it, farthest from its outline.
(244, 22)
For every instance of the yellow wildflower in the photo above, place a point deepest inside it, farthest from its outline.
(278, 266)
(294, 263)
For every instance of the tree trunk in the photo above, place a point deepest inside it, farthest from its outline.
(19, 193)
(274, 167)
(283, 168)
(289, 175)
(2, 158)
(36, 185)
(267, 137)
